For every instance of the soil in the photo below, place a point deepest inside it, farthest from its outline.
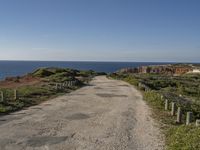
(14, 82)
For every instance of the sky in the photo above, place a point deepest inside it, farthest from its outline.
(100, 30)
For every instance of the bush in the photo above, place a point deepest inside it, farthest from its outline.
(60, 77)
(42, 72)
(30, 91)
(130, 79)
(86, 73)
(154, 98)
(183, 138)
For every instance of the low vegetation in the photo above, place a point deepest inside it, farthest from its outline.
(185, 91)
(44, 87)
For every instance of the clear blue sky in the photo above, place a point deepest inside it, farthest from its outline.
(100, 30)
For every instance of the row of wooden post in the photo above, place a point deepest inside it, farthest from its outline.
(179, 113)
(58, 86)
(15, 95)
(65, 84)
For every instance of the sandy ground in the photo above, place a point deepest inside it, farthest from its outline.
(107, 115)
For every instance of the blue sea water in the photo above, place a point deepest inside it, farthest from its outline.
(16, 68)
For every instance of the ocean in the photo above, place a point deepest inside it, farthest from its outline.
(17, 68)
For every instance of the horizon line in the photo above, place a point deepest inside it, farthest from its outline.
(105, 61)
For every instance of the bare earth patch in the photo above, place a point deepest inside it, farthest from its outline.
(14, 82)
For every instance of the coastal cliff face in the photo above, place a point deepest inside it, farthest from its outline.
(160, 69)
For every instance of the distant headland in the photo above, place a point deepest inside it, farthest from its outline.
(172, 69)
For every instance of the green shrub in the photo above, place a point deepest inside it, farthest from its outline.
(130, 79)
(154, 98)
(86, 73)
(30, 91)
(2, 109)
(60, 77)
(42, 72)
(183, 138)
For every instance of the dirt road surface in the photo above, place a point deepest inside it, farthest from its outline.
(106, 115)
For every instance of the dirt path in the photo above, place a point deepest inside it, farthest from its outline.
(107, 115)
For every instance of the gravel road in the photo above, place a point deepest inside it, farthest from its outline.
(106, 115)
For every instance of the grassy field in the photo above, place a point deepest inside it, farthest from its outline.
(43, 88)
(184, 90)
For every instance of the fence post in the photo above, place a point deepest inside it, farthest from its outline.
(188, 118)
(15, 94)
(179, 115)
(2, 96)
(56, 86)
(173, 109)
(166, 104)
(63, 85)
(198, 122)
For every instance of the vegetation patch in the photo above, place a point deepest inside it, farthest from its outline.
(42, 72)
(42, 84)
(184, 90)
(183, 138)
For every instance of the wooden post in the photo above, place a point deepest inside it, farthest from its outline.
(2, 96)
(166, 104)
(179, 115)
(15, 94)
(188, 118)
(198, 122)
(173, 109)
(56, 86)
(63, 85)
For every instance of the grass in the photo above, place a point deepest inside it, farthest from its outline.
(183, 138)
(27, 96)
(178, 137)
